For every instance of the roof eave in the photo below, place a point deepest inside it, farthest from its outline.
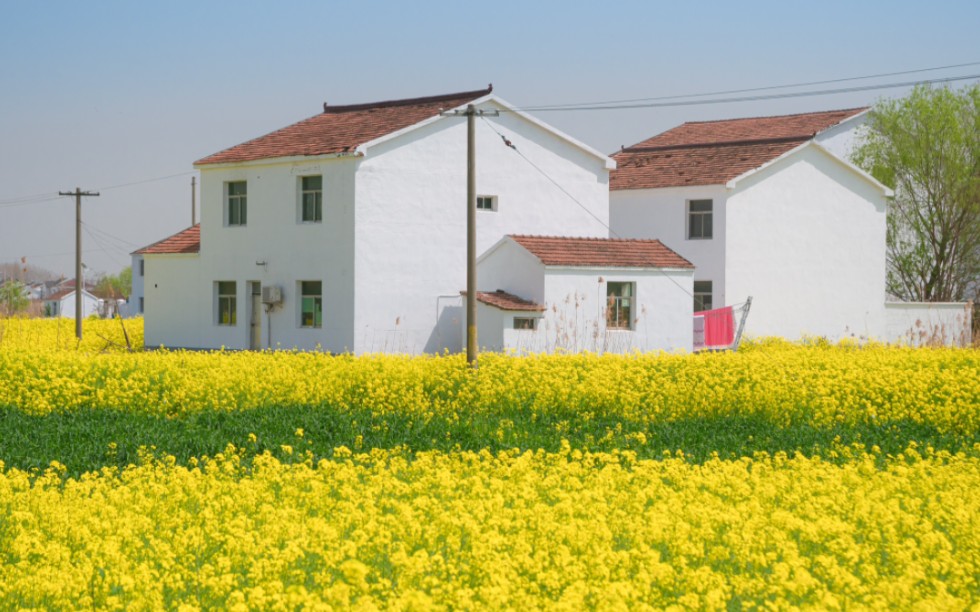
(608, 162)
(284, 159)
(604, 267)
(887, 191)
(733, 183)
(363, 147)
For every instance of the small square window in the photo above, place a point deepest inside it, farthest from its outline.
(699, 219)
(237, 204)
(312, 199)
(486, 202)
(702, 296)
(619, 305)
(525, 322)
(227, 303)
(311, 304)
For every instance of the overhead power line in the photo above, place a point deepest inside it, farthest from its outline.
(799, 94)
(507, 142)
(766, 88)
(51, 196)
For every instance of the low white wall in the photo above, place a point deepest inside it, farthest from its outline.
(928, 324)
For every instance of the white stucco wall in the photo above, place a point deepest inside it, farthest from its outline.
(805, 238)
(136, 290)
(90, 305)
(175, 296)
(289, 251)
(410, 218)
(575, 313)
(393, 263)
(662, 214)
(929, 324)
(510, 267)
(844, 137)
(575, 301)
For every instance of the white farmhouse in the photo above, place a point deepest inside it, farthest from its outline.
(546, 293)
(763, 207)
(62, 304)
(184, 243)
(352, 225)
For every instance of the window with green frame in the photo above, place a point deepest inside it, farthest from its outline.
(311, 304)
(702, 296)
(312, 199)
(227, 303)
(237, 203)
(619, 305)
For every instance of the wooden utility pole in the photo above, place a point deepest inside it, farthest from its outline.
(471, 113)
(79, 286)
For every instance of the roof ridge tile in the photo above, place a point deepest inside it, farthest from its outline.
(476, 93)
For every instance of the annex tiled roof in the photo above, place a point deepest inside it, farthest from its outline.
(506, 301)
(613, 252)
(714, 152)
(186, 241)
(60, 295)
(55, 297)
(340, 129)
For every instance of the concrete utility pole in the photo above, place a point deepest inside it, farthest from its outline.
(471, 113)
(79, 286)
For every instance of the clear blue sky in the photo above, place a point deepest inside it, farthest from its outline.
(104, 93)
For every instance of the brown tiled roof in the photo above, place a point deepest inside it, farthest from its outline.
(185, 241)
(340, 129)
(54, 297)
(614, 252)
(506, 301)
(715, 152)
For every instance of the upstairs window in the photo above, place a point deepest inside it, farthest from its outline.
(486, 202)
(311, 304)
(141, 267)
(227, 302)
(699, 221)
(237, 206)
(619, 305)
(702, 296)
(311, 199)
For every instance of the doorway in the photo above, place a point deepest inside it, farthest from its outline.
(255, 320)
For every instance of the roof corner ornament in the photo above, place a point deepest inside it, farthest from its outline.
(324, 107)
(490, 87)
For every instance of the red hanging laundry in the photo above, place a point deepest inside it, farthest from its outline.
(719, 327)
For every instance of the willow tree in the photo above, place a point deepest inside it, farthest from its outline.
(926, 147)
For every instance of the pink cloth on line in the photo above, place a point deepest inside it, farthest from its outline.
(719, 326)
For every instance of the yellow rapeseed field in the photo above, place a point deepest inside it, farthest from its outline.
(779, 381)
(411, 528)
(515, 530)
